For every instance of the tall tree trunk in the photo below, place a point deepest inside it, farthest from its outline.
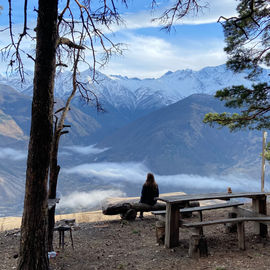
(54, 167)
(54, 172)
(33, 244)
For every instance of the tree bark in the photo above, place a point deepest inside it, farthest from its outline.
(54, 167)
(33, 243)
(54, 172)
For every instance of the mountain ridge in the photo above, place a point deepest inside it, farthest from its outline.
(135, 94)
(163, 130)
(176, 135)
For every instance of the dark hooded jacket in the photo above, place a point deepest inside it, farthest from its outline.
(148, 194)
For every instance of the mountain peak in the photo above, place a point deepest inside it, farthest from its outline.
(134, 93)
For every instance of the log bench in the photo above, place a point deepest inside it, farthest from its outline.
(198, 245)
(128, 211)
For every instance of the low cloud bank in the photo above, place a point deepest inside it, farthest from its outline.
(92, 199)
(135, 173)
(85, 150)
(12, 154)
(211, 183)
(129, 171)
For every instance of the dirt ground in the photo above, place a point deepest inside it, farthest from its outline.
(116, 244)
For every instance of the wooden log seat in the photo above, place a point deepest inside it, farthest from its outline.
(128, 211)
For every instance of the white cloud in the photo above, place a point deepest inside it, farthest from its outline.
(85, 150)
(129, 171)
(210, 14)
(217, 182)
(135, 173)
(12, 154)
(149, 56)
(152, 56)
(91, 199)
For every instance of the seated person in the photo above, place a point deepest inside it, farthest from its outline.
(149, 192)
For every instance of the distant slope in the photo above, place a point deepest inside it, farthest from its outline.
(15, 119)
(174, 140)
(16, 106)
(127, 99)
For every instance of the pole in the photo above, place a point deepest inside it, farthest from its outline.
(263, 160)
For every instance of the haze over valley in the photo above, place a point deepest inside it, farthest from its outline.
(148, 125)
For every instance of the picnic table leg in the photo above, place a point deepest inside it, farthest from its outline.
(241, 235)
(172, 226)
(63, 239)
(259, 206)
(60, 238)
(70, 231)
(201, 219)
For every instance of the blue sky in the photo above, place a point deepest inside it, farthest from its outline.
(195, 42)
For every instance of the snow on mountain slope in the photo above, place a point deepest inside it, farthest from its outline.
(182, 83)
(134, 93)
(14, 80)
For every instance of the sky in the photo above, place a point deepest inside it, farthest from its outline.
(193, 43)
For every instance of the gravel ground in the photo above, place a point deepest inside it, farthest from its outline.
(132, 245)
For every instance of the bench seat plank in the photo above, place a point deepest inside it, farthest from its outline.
(211, 207)
(224, 221)
(201, 208)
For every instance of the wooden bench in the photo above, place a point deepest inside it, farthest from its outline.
(162, 213)
(61, 230)
(201, 208)
(197, 226)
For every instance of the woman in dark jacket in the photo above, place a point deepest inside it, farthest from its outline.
(149, 191)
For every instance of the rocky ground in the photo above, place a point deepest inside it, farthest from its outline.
(132, 245)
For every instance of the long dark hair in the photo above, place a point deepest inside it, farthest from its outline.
(150, 181)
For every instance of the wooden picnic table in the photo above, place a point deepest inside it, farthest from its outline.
(174, 203)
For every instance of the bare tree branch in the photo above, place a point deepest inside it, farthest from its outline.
(69, 43)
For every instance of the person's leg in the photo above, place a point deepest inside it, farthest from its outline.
(141, 214)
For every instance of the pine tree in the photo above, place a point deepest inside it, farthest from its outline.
(247, 38)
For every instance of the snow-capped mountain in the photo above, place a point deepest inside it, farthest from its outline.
(136, 94)
(14, 80)
(169, 137)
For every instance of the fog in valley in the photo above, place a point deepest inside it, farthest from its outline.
(85, 186)
(126, 176)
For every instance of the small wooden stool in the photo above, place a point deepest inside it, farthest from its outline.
(61, 230)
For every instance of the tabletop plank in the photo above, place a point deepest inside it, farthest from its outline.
(211, 196)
